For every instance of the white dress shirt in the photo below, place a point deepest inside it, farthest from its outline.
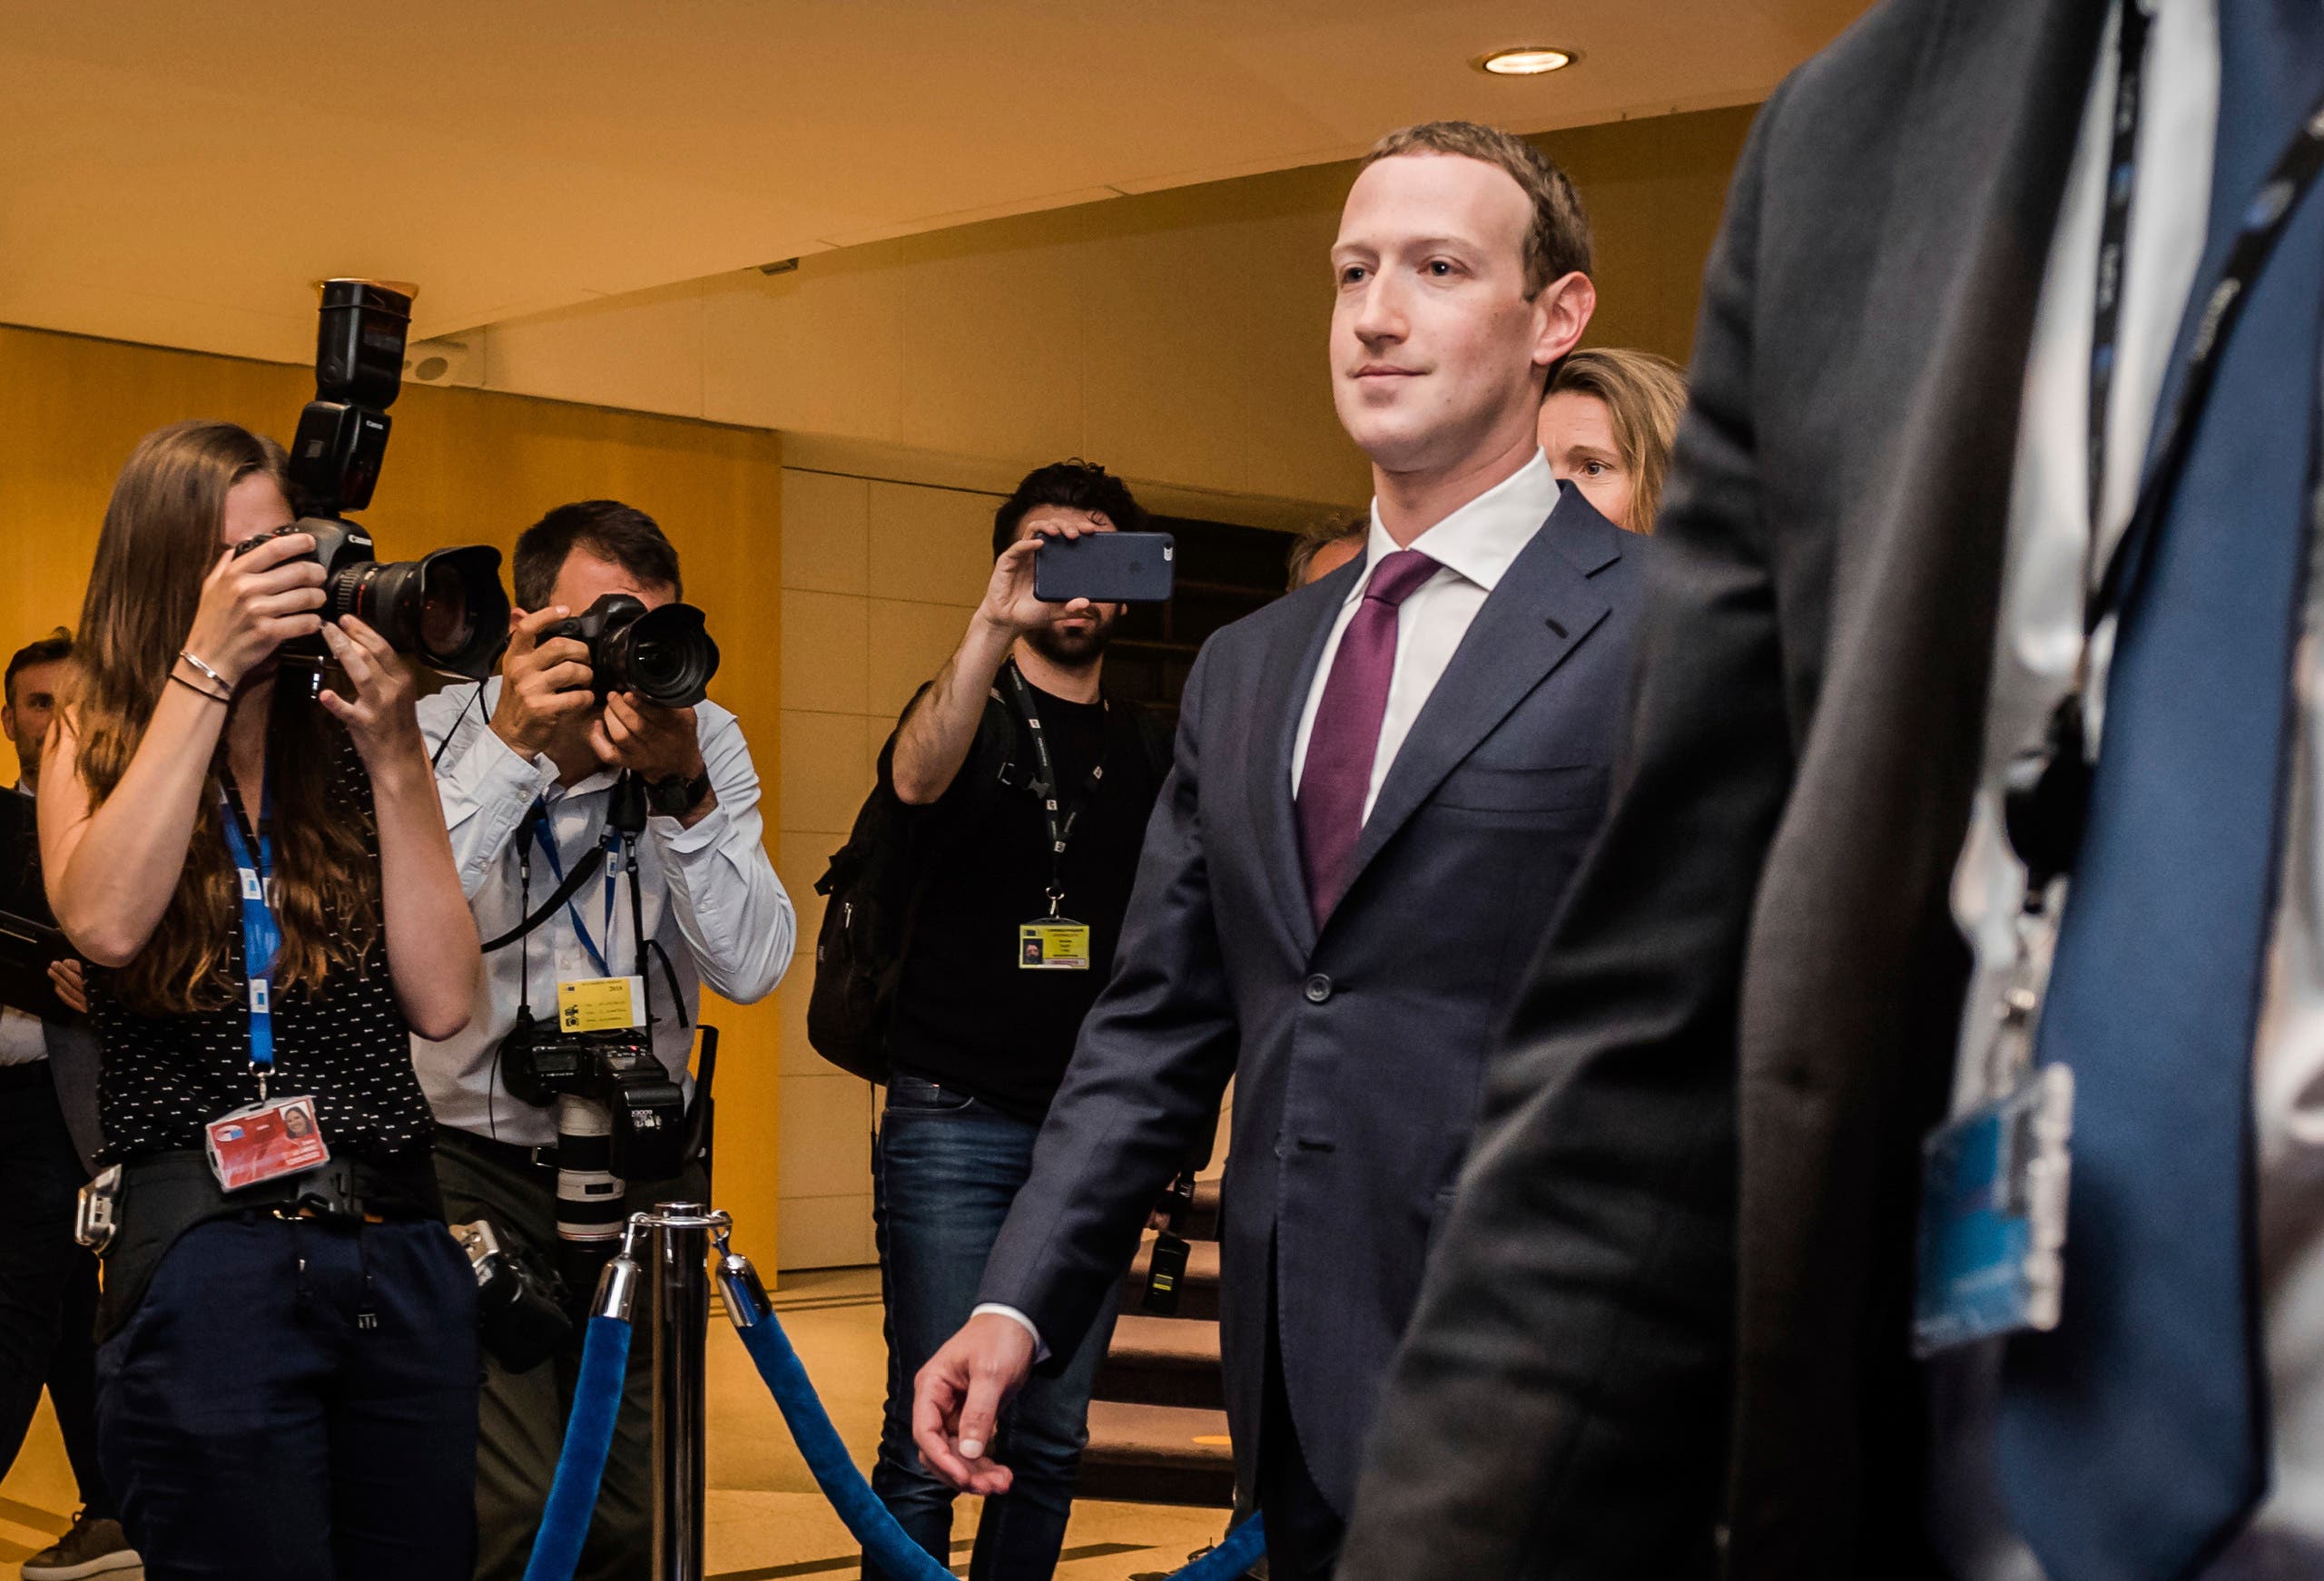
(1474, 547)
(712, 902)
(23, 1038)
(2037, 635)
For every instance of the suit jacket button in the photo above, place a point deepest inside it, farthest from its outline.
(1319, 989)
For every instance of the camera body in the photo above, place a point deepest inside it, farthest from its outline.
(619, 1117)
(447, 607)
(665, 655)
(522, 1308)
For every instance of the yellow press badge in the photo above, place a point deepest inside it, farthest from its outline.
(600, 1003)
(1053, 944)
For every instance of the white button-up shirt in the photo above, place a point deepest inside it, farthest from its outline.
(1474, 546)
(710, 899)
(2039, 632)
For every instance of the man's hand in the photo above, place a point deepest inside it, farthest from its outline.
(652, 742)
(1009, 608)
(542, 685)
(957, 1398)
(64, 976)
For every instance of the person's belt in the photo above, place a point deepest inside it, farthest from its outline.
(491, 1150)
(32, 1076)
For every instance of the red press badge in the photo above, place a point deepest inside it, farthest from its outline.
(265, 1141)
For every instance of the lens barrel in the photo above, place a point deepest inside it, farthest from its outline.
(588, 1193)
(447, 607)
(665, 655)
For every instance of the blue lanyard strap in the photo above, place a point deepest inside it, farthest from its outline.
(557, 868)
(261, 935)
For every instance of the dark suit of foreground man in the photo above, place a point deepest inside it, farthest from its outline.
(1346, 967)
(1870, 595)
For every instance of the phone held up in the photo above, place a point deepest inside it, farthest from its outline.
(1106, 568)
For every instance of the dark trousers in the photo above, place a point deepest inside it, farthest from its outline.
(48, 1285)
(945, 1170)
(295, 1400)
(522, 1415)
(1303, 1531)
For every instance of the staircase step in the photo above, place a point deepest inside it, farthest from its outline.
(1202, 1219)
(1152, 1454)
(1168, 1361)
(1197, 1291)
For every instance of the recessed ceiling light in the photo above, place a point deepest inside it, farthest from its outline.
(1531, 61)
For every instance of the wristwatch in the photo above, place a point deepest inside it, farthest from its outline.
(676, 796)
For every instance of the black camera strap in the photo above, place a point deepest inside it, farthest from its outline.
(1060, 820)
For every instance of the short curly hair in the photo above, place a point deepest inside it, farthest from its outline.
(1077, 486)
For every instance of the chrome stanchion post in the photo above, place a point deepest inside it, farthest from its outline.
(681, 1287)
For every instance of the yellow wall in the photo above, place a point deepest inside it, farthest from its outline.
(463, 467)
(1177, 336)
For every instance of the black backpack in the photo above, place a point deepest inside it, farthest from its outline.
(871, 892)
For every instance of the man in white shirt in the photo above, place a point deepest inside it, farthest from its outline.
(527, 765)
(1383, 783)
(1975, 259)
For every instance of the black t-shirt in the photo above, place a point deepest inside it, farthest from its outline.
(966, 1014)
(161, 1079)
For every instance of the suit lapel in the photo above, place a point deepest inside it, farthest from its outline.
(1298, 649)
(1541, 611)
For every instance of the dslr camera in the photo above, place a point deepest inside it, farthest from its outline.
(665, 655)
(619, 1117)
(446, 607)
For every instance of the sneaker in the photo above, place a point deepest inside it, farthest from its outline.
(93, 1547)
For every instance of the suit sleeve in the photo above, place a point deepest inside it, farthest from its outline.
(1154, 1055)
(1558, 1406)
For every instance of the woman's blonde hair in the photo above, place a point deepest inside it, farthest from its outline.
(159, 541)
(1643, 394)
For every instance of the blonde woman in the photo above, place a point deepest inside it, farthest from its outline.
(1607, 425)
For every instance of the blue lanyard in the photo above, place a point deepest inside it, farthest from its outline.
(557, 869)
(262, 935)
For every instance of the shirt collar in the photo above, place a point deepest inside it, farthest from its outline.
(1480, 541)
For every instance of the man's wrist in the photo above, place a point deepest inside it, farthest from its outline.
(1041, 1352)
(514, 738)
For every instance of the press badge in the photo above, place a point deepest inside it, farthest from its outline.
(1994, 1216)
(1053, 944)
(600, 1003)
(264, 1141)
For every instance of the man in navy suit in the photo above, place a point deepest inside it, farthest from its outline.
(1383, 783)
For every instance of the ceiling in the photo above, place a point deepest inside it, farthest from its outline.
(179, 175)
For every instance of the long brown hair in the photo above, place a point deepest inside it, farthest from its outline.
(1643, 394)
(161, 538)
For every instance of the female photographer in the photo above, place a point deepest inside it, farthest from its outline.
(287, 1377)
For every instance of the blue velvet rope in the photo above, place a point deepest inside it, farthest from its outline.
(859, 1508)
(588, 1436)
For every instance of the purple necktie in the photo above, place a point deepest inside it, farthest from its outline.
(1346, 733)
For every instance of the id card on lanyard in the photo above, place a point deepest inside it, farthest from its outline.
(261, 1141)
(1995, 1178)
(605, 1002)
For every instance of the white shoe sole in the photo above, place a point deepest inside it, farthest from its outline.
(126, 1566)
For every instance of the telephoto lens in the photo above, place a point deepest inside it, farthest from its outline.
(665, 655)
(588, 1193)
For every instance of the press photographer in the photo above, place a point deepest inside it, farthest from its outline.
(592, 753)
(287, 1373)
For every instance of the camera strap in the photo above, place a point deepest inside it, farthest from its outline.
(261, 934)
(538, 821)
(1059, 821)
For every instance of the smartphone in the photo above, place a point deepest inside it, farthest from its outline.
(1106, 568)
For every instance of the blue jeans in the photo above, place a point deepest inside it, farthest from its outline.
(945, 1168)
(295, 1400)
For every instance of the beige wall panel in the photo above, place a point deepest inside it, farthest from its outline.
(994, 335)
(826, 1125)
(643, 350)
(909, 643)
(799, 1055)
(825, 359)
(823, 651)
(833, 1232)
(932, 544)
(826, 532)
(823, 776)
